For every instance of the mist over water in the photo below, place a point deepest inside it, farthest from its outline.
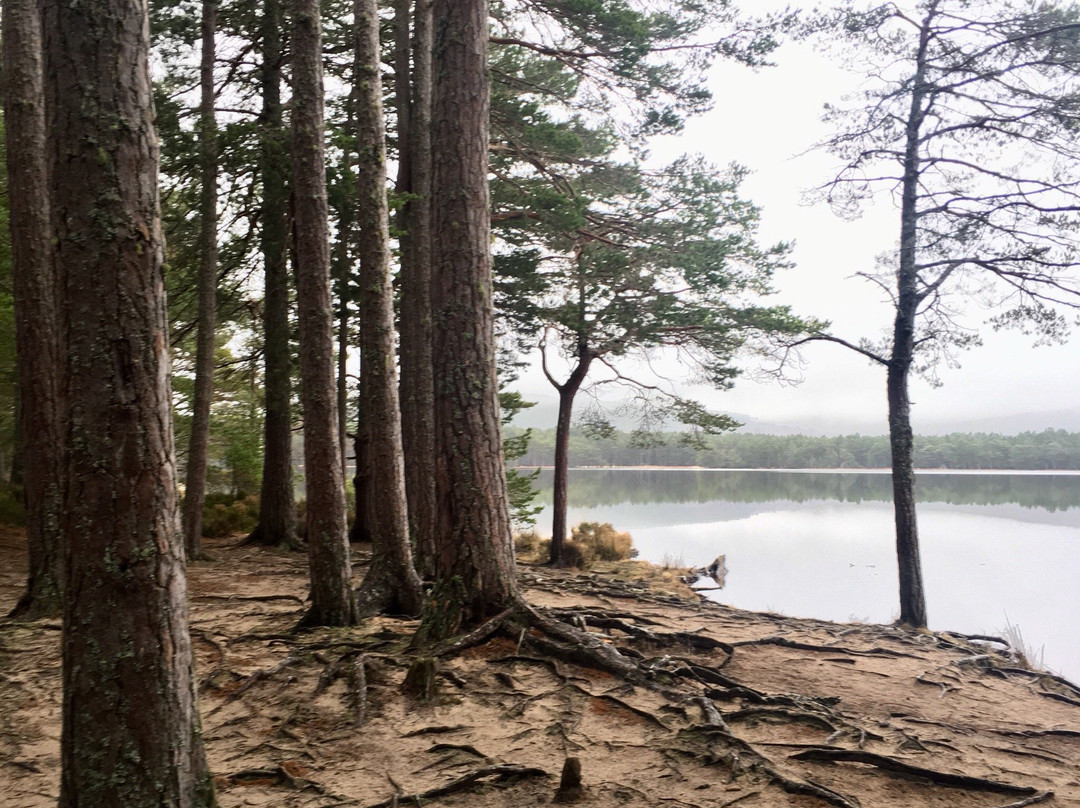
(997, 549)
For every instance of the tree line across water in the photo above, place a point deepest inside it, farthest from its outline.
(598, 487)
(1051, 449)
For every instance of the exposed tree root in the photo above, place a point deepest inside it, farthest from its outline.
(900, 767)
(1043, 797)
(783, 642)
(499, 774)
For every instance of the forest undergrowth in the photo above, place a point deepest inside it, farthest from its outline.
(708, 707)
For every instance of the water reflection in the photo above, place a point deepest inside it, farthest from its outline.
(996, 548)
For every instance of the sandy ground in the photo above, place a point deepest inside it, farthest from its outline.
(771, 711)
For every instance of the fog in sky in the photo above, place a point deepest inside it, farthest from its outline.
(768, 120)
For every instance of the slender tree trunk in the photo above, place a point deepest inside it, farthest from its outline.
(130, 733)
(277, 505)
(912, 595)
(332, 601)
(567, 392)
(417, 379)
(391, 583)
(342, 269)
(195, 488)
(36, 320)
(475, 575)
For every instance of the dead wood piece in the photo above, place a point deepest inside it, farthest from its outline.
(454, 678)
(358, 690)
(712, 716)
(502, 774)
(900, 767)
(570, 787)
(436, 730)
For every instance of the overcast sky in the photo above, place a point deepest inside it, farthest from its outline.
(767, 120)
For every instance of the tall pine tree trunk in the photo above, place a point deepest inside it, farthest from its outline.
(130, 733)
(332, 601)
(414, 178)
(475, 575)
(277, 505)
(195, 488)
(901, 441)
(36, 320)
(391, 583)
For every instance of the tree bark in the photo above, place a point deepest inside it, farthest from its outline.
(130, 732)
(391, 583)
(332, 601)
(277, 504)
(475, 564)
(567, 392)
(195, 487)
(343, 256)
(36, 320)
(417, 379)
(912, 595)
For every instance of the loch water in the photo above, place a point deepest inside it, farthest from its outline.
(999, 549)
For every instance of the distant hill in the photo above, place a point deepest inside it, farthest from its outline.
(543, 416)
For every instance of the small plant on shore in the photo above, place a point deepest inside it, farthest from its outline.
(589, 543)
(673, 561)
(603, 541)
(1026, 655)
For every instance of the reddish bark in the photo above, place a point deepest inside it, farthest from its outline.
(130, 732)
(332, 602)
(36, 320)
(475, 564)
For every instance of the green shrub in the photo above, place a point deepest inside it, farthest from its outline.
(225, 516)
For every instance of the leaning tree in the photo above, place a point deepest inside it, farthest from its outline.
(655, 263)
(968, 123)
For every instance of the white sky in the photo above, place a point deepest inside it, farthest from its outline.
(767, 120)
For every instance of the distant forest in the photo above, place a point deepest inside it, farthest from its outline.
(1049, 449)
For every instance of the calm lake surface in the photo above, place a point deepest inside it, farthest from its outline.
(997, 548)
